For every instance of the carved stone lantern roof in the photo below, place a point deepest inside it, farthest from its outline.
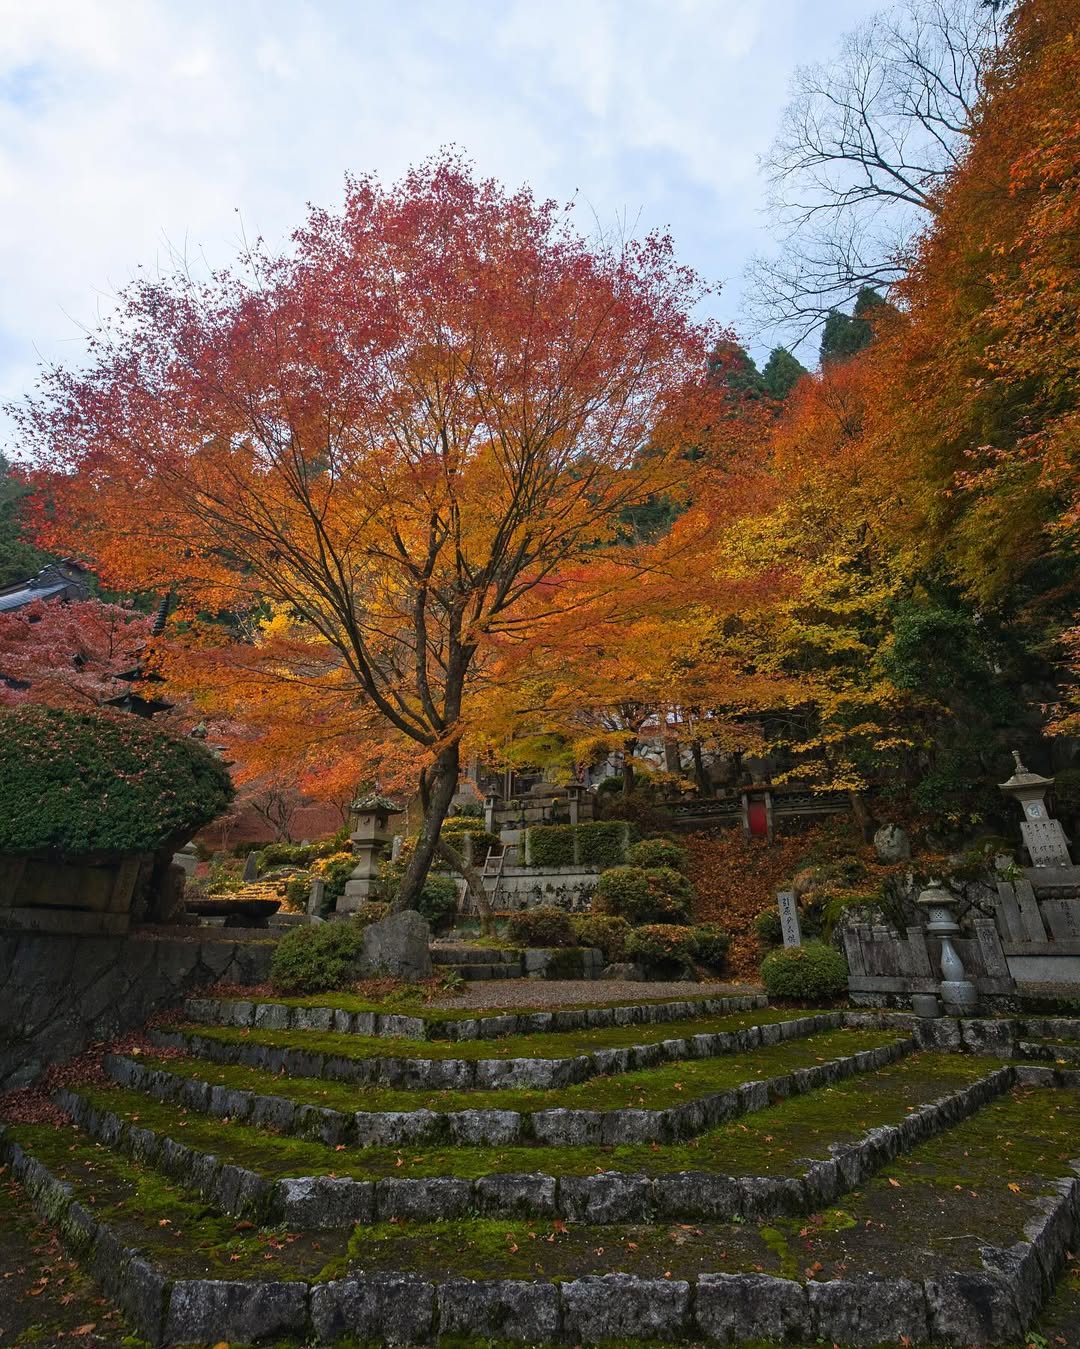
(376, 804)
(1023, 781)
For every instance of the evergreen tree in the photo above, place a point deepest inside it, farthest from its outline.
(846, 334)
(782, 372)
(19, 559)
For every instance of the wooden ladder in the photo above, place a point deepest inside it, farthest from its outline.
(492, 871)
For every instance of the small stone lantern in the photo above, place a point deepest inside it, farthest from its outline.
(491, 805)
(1044, 838)
(957, 991)
(371, 838)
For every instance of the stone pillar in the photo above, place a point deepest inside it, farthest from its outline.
(957, 991)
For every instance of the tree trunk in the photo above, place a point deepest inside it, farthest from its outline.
(475, 883)
(438, 783)
(628, 765)
(863, 818)
(699, 768)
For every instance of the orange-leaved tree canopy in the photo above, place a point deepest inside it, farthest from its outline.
(440, 398)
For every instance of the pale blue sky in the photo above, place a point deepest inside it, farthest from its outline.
(129, 125)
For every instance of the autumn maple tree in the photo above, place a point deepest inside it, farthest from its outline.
(396, 437)
(68, 654)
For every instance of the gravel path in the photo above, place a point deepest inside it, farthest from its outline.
(483, 993)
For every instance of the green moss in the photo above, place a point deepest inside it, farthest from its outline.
(653, 1088)
(541, 1045)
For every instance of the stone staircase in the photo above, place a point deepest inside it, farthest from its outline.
(477, 962)
(325, 1171)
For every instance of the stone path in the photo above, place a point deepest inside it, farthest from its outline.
(577, 992)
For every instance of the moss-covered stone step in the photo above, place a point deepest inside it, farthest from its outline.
(1049, 1051)
(709, 1092)
(969, 1229)
(350, 1014)
(779, 1165)
(541, 1063)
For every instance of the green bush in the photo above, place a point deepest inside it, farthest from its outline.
(811, 973)
(372, 911)
(316, 959)
(102, 784)
(541, 927)
(299, 854)
(438, 901)
(709, 944)
(224, 879)
(658, 852)
(601, 843)
(656, 895)
(455, 829)
(335, 872)
(605, 931)
(298, 889)
(660, 944)
(550, 845)
(768, 927)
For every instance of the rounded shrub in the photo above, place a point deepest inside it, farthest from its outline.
(709, 945)
(768, 928)
(297, 890)
(658, 852)
(809, 973)
(602, 930)
(334, 871)
(542, 927)
(102, 784)
(438, 900)
(317, 959)
(655, 895)
(661, 945)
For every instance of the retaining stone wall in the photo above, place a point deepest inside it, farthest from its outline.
(978, 1306)
(319, 1202)
(540, 1074)
(481, 1127)
(60, 993)
(280, 1016)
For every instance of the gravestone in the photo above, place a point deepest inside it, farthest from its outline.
(789, 917)
(316, 898)
(251, 867)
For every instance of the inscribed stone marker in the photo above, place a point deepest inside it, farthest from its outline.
(789, 917)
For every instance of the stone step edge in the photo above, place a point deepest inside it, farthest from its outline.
(540, 1074)
(393, 1025)
(998, 1037)
(308, 1203)
(992, 1305)
(557, 1126)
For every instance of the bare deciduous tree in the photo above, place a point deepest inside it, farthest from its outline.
(864, 144)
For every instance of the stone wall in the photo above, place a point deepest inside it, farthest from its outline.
(61, 993)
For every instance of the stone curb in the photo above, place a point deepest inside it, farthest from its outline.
(481, 1127)
(966, 1307)
(323, 1202)
(420, 1074)
(280, 1016)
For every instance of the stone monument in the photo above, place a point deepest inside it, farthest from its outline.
(1044, 838)
(371, 838)
(789, 917)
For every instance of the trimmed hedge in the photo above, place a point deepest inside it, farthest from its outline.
(656, 895)
(298, 854)
(550, 845)
(102, 784)
(542, 927)
(768, 927)
(808, 972)
(457, 827)
(597, 843)
(709, 944)
(602, 930)
(320, 958)
(661, 944)
(601, 843)
(658, 852)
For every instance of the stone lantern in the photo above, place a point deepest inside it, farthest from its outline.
(1044, 838)
(957, 991)
(371, 837)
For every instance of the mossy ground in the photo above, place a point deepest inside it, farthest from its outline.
(542, 1045)
(649, 1088)
(776, 1141)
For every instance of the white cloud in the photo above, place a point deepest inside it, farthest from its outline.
(130, 125)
